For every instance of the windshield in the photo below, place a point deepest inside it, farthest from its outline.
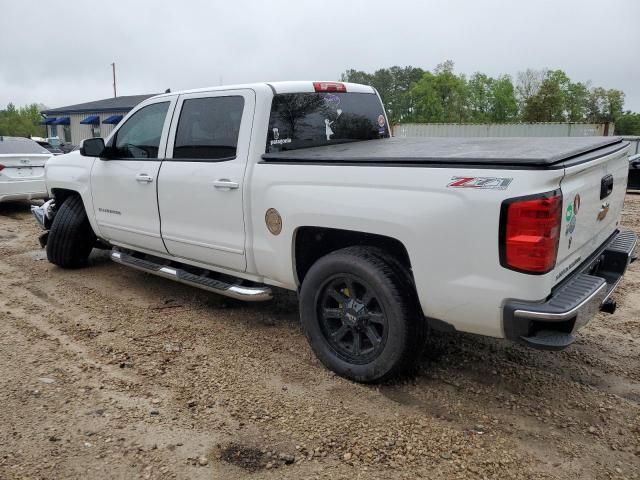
(301, 120)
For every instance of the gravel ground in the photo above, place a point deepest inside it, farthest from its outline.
(106, 372)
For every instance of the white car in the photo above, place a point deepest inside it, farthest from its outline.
(22, 163)
(299, 185)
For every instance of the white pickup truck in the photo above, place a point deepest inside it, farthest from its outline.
(299, 185)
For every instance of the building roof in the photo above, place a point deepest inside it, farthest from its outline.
(115, 104)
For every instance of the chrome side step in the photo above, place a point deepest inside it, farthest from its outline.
(240, 292)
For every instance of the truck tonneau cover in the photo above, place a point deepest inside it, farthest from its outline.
(504, 151)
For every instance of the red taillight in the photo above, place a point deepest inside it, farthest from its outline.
(329, 87)
(1, 167)
(529, 232)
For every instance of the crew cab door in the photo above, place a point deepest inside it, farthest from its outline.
(201, 182)
(123, 183)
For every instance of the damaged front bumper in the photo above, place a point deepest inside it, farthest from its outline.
(552, 324)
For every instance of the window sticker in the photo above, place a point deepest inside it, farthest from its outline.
(571, 216)
(276, 138)
(328, 131)
(332, 100)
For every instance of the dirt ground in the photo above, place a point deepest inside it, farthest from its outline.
(107, 372)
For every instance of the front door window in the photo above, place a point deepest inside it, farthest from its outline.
(139, 136)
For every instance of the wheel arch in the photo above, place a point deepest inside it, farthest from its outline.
(61, 194)
(312, 242)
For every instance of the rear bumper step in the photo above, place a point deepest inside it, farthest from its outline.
(552, 324)
(240, 292)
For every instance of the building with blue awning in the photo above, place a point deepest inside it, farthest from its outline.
(91, 120)
(74, 123)
(113, 119)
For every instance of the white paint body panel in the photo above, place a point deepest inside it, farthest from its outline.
(22, 177)
(126, 209)
(200, 221)
(451, 235)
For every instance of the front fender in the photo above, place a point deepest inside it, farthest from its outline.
(72, 172)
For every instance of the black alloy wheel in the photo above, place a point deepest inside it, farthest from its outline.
(352, 319)
(360, 312)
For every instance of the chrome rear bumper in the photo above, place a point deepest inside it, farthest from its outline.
(552, 324)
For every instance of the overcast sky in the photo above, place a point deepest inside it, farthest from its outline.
(59, 52)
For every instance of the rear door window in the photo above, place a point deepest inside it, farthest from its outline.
(208, 128)
(301, 120)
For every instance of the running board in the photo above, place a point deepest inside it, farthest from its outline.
(240, 292)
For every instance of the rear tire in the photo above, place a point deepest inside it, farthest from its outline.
(360, 315)
(71, 237)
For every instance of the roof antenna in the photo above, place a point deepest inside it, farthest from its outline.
(168, 90)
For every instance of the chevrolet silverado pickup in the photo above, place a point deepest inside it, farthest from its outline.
(300, 185)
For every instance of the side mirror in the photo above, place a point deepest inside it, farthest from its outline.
(92, 147)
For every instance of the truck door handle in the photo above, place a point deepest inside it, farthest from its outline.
(225, 183)
(144, 178)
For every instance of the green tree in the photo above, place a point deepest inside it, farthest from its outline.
(596, 105)
(400, 101)
(356, 76)
(392, 84)
(413, 94)
(491, 99)
(441, 96)
(23, 122)
(426, 100)
(628, 123)
(504, 104)
(615, 102)
(576, 101)
(528, 85)
(548, 104)
(604, 105)
(480, 97)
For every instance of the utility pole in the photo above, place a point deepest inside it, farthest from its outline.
(113, 67)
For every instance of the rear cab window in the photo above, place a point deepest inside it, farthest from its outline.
(303, 120)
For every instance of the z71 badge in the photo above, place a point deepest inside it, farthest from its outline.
(494, 183)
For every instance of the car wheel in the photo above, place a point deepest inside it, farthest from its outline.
(71, 237)
(361, 315)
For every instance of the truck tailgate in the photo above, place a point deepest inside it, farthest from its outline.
(593, 196)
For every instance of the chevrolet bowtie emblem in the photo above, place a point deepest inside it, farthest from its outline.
(603, 211)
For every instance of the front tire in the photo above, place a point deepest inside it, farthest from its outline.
(361, 315)
(71, 237)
